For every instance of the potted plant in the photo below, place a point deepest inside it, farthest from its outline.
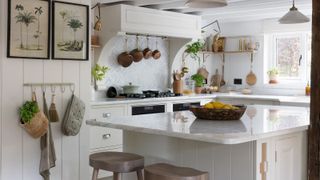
(273, 74)
(193, 50)
(98, 73)
(32, 119)
(198, 79)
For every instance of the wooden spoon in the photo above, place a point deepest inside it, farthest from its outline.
(251, 77)
(222, 82)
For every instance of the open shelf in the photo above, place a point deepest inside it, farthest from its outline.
(230, 52)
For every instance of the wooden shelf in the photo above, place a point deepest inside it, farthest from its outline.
(230, 52)
(95, 46)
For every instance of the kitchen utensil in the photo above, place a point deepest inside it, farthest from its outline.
(216, 79)
(251, 77)
(223, 82)
(219, 114)
(125, 59)
(203, 70)
(137, 54)
(147, 52)
(130, 89)
(156, 54)
(53, 114)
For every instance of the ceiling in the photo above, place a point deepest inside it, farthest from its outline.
(237, 10)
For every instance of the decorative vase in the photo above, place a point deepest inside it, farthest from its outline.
(198, 90)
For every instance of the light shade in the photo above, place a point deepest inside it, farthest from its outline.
(206, 3)
(294, 17)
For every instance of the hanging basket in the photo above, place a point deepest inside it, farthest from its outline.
(38, 126)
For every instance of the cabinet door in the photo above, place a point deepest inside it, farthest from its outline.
(101, 137)
(286, 164)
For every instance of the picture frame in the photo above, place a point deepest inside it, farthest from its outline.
(70, 37)
(28, 32)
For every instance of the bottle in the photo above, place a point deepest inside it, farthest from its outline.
(308, 89)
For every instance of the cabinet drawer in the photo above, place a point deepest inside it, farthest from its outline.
(101, 137)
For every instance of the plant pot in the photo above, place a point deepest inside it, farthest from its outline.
(178, 87)
(38, 125)
(273, 79)
(198, 90)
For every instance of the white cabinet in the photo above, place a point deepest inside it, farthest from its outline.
(282, 157)
(139, 20)
(106, 138)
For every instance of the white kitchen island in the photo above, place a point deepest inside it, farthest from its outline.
(268, 143)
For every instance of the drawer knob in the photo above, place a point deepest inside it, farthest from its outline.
(106, 136)
(106, 115)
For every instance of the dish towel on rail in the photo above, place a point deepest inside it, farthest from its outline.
(48, 154)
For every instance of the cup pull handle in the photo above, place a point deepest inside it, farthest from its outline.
(106, 136)
(106, 115)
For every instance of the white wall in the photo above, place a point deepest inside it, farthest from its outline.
(238, 65)
(20, 153)
(148, 73)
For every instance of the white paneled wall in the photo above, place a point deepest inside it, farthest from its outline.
(20, 154)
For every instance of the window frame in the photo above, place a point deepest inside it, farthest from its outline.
(302, 78)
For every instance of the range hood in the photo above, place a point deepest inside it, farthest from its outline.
(122, 19)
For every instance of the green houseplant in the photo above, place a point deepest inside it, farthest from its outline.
(98, 73)
(27, 111)
(193, 50)
(273, 74)
(198, 79)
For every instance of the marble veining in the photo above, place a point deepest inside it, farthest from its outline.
(258, 122)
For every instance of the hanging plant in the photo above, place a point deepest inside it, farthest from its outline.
(99, 72)
(193, 50)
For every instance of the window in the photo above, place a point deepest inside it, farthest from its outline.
(291, 56)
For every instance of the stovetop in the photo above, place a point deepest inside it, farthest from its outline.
(150, 94)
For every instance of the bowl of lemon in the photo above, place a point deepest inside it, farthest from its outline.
(219, 111)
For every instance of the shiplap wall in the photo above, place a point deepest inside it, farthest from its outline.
(20, 154)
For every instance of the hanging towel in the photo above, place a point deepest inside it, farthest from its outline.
(48, 154)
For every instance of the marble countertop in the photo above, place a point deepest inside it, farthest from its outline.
(288, 100)
(258, 122)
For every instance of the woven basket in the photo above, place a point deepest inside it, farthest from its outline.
(218, 114)
(38, 125)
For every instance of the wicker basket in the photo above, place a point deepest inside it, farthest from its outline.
(38, 125)
(218, 114)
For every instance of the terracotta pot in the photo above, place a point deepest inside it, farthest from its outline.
(178, 87)
(273, 79)
(198, 90)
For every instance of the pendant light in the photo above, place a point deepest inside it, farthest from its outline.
(294, 16)
(206, 3)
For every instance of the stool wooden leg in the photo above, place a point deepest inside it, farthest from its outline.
(116, 176)
(95, 174)
(139, 174)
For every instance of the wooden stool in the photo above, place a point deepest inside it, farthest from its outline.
(169, 172)
(116, 162)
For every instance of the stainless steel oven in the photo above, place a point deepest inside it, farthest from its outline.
(147, 109)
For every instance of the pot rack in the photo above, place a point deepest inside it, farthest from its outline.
(142, 35)
(52, 86)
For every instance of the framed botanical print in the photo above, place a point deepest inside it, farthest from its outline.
(70, 39)
(28, 29)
